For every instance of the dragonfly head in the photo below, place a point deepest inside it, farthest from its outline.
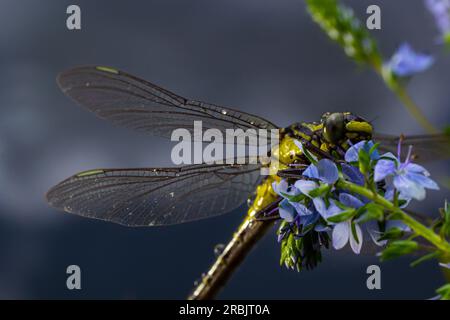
(342, 126)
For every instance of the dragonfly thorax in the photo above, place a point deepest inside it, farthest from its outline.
(333, 134)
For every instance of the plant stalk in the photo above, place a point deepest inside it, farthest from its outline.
(415, 225)
(401, 93)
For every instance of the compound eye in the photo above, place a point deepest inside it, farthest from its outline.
(335, 127)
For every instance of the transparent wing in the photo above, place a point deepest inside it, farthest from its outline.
(132, 102)
(425, 147)
(159, 196)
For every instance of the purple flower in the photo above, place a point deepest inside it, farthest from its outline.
(389, 195)
(350, 201)
(440, 9)
(289, 209)
(352, 153)
(352, 174)
(409, 179)
(325, 171)
(305, 187)
(406, 62)
(333, 209)
(283, 189)
(309, 219)
(343, 233)
(326, 211)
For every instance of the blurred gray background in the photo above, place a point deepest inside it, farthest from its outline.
(263, 57)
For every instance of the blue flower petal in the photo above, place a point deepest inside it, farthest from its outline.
(333, 209)
(353, 174)
(341, 234)
(301, 209)
(408, 188)
(299, 145)
(279, 187)
(441, 12)
(328, 171)
(305, 186)
(286, 211)
(321, 227)
(320, 206)
(389, 195)
(384, 168)
(325, 212)
(352, 153)
(374, 233)
(311, 172)
(350, 201)
(282, 188)
(309, 219)
(412, 167)
(406, 62)
(422, 180)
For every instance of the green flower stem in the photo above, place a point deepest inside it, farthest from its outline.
(399, 90)
(446, 271)
(343, 27)
(415, 225)
(414, 110)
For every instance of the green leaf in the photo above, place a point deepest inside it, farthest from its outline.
(364, 161)
(374, 148)
(447, 38)
(312, 158)
(395, 216)
(444, 292)
(424, 258)
(296, 198)
(354, 233)
(370, 211)
(398, 248)
(445, 230)
(391, 234)
(401, 202)
(343, 216)
(307, 228)
(309, 156)
(320, 191)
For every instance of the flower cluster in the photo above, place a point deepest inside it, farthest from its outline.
(341, 25)
(440, 9)
(406, 62)
(368, 192)
(318, 204)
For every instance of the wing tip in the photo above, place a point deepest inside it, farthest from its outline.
(50, 197)
(96, 68)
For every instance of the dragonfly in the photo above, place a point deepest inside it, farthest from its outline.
(140, 197)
